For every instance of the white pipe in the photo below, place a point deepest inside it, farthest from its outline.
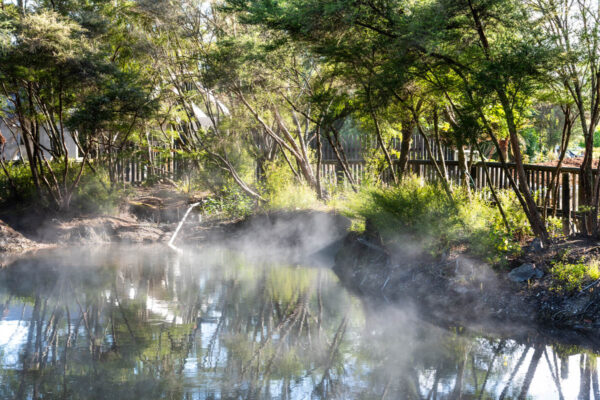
(171, 245)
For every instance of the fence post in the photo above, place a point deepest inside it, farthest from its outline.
(566, 203)
(474, 176)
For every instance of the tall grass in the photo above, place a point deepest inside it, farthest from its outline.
(283, 191)
(424, 213)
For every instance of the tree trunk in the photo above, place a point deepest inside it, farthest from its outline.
(462, 165)
(533, 214)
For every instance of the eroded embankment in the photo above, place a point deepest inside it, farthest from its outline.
(456, 290)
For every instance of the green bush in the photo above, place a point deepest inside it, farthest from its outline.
(92, 194)
(24, 190)
(425, 214)
(283, 191)
(231, 202)
(569, 277)
(485, 230)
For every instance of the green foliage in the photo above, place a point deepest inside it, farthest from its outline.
(283, 191)
(413, 208)
(569, 277)
(19, 188)
(93, 193)
(484, 229)
(231, 203)
(423, 214)
(554, 226)
(596, 139)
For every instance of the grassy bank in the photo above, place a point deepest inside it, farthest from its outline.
(428, 216)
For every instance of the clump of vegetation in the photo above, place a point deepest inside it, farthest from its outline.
(231, 203)
(423, 210)
(283, 191)
(431, 218)
(484, 230)
(569, 277)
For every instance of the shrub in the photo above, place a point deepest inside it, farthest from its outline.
(92, 194)
(231, 202)
(569, 277)
(23, 190)
(424, 213)
(95, 194)
(283, 191)
(421, 210)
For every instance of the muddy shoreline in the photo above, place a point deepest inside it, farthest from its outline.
(455, 290)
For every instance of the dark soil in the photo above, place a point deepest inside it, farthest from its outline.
(456, 289)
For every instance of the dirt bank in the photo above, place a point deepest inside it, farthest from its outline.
(12, 242)
(456, 289)
(149, 215)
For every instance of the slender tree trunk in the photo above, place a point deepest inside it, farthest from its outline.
(462, 165)
(340, 155)
(533, 214)
(493, 190)
(382, 145)
(443, 178)
(438, 142)
(320, 193)
(564, 144)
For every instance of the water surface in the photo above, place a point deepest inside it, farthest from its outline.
(146, 323)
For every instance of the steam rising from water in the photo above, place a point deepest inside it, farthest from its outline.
(247, 321)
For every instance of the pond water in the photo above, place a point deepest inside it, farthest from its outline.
(145, 323)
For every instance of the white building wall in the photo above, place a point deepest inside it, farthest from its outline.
(15, 150)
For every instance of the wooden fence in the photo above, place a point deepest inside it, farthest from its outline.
(136, 169)
(564, 198)
(355, 148)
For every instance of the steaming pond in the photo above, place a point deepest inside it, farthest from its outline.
(145, 323)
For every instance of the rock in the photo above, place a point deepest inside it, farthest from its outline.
(524, 273)
(537, 246)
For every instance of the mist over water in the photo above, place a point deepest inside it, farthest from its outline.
(119, 322)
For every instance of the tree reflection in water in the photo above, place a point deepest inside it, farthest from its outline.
(118, 323)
